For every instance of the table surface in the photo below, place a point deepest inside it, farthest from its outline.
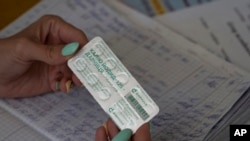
(12, 9)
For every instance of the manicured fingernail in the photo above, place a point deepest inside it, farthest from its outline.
(150, 127)
(70, 48)
(69, 85)
(57, 85)
(124, 135)
(105, 127)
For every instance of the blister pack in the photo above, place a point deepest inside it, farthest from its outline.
(112, 85)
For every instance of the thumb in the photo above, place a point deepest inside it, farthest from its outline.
(51, 54)
(143, 133)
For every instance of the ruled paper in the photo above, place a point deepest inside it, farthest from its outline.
(221, 27)
(11, 128)
(191, 94)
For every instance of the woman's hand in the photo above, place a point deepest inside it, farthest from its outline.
(110, 132)
(32, 61)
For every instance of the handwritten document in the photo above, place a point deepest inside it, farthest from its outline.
(192, 95)
(14, 129)
(222, 27)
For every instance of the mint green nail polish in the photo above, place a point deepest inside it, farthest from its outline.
(57, 85)
(124, 135)
(150, 127)
(70, 48)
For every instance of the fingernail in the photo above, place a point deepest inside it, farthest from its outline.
(105, 127)
(69, 85)
(70, 48)
(57, 85)
(124, 135)
(150, 127)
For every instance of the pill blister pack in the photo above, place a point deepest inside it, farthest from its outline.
(112, 85)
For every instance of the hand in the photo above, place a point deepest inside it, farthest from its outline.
(31, 62)
(111, 130)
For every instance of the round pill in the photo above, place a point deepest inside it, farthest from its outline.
(110, 63)
(149, 108)
(80, 64)
(122, 77)
(92, 78)
(104, 94)
(99, 49)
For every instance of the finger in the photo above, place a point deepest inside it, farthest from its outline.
(53, 55)
(55, 77)
(123, 135)
(112, 128)
(106, 128)
(76, 81)
(60, 78)
(143, 133)
(67, 75)
(50, 30)
(64, 69)
(55, 83)
(101, 134)
(69, 86)
(58, 29)
(27, 50)
(66, 84)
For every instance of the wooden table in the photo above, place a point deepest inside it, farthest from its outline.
(11, 9)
